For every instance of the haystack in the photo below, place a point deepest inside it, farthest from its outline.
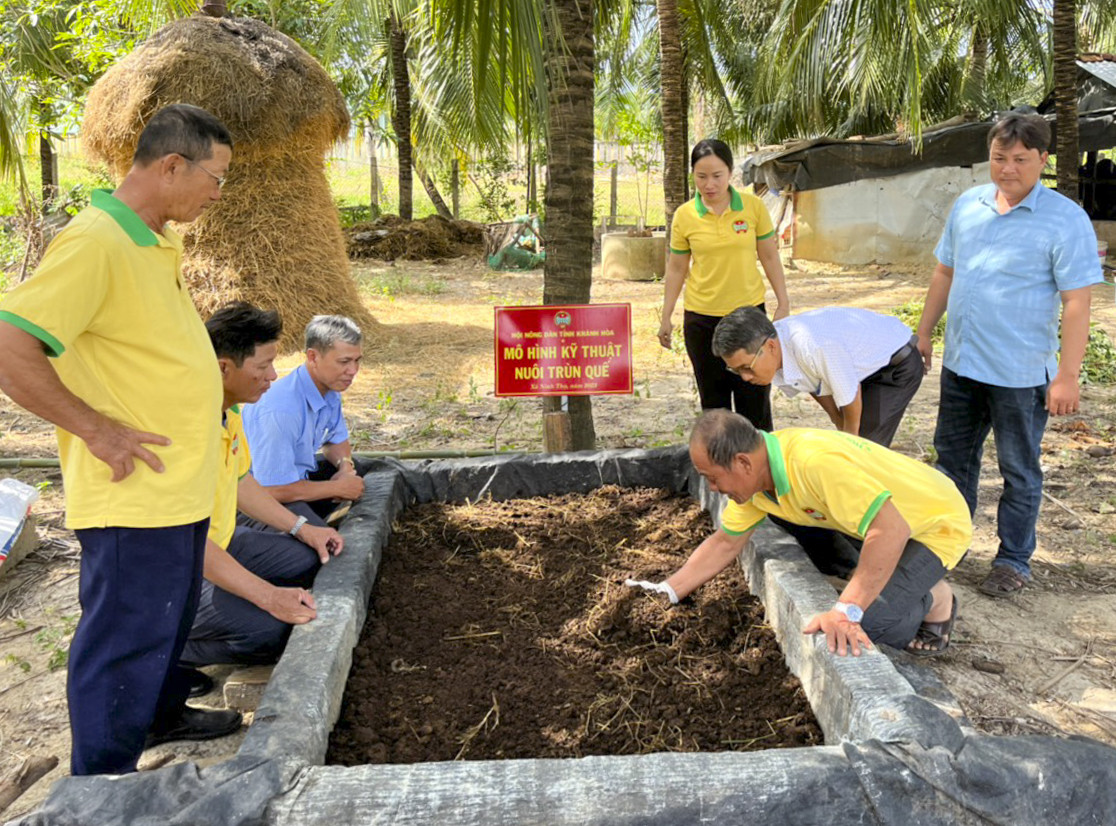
(274, 238)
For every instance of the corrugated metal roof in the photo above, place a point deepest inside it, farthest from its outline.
(1100, 67)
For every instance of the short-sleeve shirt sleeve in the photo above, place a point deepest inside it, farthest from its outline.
(764, 227)
(1074, 256)
(944, 251)
(679, 233)
(737, 519)
(60, 301)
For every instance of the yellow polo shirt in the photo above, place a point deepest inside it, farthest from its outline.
(108, 302)
(829, 479)
(723, 271)
(236, 461)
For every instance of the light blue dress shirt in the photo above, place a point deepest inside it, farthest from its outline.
(289, 425)
(1008, 273)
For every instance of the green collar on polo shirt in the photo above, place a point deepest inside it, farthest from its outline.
(132, 224)
(736, 203)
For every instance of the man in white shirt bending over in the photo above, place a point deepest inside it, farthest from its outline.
(862, 367)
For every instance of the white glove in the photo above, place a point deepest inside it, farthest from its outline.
(661, 587)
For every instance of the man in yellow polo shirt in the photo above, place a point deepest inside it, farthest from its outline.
(256, 578)
(132, 384)
(911, 522)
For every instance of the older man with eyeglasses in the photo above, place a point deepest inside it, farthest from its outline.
(104, 341)
(862, 367)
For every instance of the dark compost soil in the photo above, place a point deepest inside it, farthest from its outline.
(504, 630)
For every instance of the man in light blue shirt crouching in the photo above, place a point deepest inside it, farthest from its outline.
(297, 433)
(1013, 253)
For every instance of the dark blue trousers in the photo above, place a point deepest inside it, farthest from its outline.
(229, 629)
(1017, 416)
(139, 589)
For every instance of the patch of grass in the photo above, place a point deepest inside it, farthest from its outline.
(395, 283)
(55, 641)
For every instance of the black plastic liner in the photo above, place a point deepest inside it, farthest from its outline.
(953, 777)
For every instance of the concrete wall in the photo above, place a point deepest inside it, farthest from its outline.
(894, 220)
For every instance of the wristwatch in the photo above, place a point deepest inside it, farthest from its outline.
(853, 612)
(297, 526)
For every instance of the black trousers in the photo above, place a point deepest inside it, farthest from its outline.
(717, 387)
(885, 395)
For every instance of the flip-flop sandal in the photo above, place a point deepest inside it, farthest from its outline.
(935, 637)
(1002, 581)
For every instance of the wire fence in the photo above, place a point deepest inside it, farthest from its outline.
(488, 189)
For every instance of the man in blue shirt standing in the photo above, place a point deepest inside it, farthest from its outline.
(1012, 253)
(296, 432)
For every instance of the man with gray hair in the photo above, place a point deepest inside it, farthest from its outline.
(297, 433)
(1012, 255)
(862, 367)
(910, 519)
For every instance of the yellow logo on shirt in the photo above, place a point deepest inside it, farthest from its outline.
(813, 514)
(235, 445)
(740, 227)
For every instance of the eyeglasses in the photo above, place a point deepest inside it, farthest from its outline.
(219, 179)
(739, 371)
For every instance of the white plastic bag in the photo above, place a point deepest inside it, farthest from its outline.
(16, 499)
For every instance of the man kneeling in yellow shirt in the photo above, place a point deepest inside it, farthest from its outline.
(910, 520)
(255, 580)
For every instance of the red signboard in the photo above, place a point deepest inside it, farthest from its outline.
(564, 350)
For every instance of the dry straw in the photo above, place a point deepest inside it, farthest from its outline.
(274, 238)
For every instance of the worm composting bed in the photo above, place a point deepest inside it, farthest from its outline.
(504, 630)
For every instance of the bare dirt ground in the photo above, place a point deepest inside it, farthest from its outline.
(428, 385)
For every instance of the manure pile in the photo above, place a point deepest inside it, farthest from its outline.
(390, 237)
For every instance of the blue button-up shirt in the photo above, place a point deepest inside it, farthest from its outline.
(289, 425)
(1008, 271)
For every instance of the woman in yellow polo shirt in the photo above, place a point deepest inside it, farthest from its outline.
(714, 243)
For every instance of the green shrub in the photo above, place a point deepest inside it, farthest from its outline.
(911, 312)
(1099, 364)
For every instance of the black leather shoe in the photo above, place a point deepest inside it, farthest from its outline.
(200, 683)
(196, 724)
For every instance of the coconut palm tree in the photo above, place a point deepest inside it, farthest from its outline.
(1064, 42)
(569, 189)
(870, 66)
(673, 107)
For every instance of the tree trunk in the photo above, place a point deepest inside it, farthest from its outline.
(373, 173)
(432, 190)
(568, 199)
(674, 115)
(973, 85)
(401, 114)
(685, 157)
(1065, 95)
(48, 176)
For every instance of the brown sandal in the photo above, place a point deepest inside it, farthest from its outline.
(1002, 581)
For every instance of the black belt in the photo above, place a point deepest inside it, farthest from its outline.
(904, 352)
